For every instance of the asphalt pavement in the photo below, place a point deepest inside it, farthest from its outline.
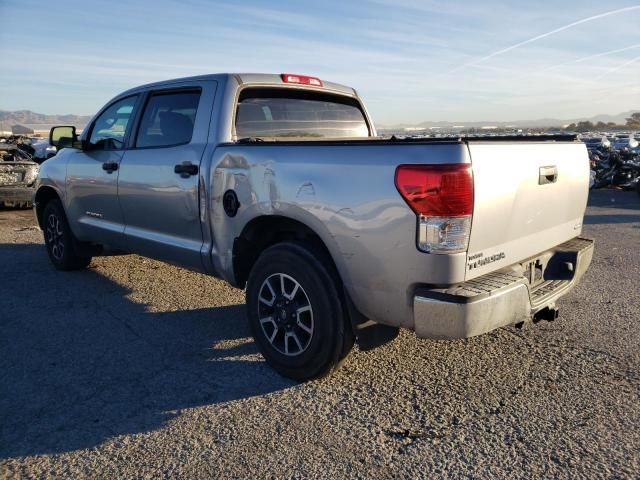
(134, 368)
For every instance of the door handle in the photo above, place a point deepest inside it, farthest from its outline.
(110, 167)
(186, 169)
(548, 175)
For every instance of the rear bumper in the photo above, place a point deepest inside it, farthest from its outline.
(16, 194)
(500, 298)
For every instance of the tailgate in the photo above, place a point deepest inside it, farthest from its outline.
(529, 197)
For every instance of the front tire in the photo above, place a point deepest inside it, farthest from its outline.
(62, 246)
(295, 312)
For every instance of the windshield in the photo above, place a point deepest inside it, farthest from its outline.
(297, 114)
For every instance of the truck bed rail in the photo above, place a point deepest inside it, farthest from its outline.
(394, 140)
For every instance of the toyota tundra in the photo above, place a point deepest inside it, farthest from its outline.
(279, 184)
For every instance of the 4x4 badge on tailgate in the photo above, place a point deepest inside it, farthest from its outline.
(479, 260)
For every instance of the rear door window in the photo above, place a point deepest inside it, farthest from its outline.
(168, 119)
(296, 114)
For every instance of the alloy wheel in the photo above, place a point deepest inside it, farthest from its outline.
(55, 236)
(285, 313)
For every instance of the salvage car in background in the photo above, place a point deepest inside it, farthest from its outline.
(18, 173)
(38, 148)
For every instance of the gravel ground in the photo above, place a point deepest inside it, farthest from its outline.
(134, 368)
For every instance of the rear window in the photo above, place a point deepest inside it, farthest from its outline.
(291, 114)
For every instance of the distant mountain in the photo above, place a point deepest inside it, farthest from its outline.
(33, 120)
(541, 122)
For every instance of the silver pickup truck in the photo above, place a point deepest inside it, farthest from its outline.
(280, 185)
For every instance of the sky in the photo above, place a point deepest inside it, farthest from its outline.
(410, 60)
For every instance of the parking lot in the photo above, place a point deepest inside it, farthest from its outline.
(134, 368)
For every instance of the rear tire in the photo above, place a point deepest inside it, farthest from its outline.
(62, 246)
(296, 313)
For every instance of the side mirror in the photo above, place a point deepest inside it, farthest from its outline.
(64, 137)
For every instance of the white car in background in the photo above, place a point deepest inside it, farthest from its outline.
(43, 149)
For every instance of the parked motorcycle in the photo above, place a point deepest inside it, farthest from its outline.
(616, 168)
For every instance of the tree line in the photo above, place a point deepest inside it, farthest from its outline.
(633, 122)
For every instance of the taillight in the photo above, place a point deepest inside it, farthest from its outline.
(301, 79)
(442, 198)
(437, 190)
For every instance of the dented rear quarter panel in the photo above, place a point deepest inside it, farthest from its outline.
(346, 194)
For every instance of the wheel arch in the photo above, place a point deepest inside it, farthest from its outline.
(44, 195)
(266, 230)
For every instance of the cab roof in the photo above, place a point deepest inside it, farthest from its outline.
(262, 79)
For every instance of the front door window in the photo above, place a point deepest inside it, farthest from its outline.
(112, 127)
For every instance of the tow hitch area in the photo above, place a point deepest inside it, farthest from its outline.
(547, 313)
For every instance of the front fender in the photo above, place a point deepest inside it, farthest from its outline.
(52, 177)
